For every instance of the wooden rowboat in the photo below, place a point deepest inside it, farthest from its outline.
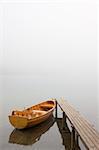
(32, 116)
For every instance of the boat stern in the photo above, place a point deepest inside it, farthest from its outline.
(18, 122)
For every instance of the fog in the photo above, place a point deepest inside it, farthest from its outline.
(49, 49)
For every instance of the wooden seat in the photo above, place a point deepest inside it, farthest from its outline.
(46, 106)
(39, 111)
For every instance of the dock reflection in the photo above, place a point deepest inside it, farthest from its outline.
(31, 135)
(66, 136)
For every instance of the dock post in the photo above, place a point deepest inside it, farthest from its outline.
(77, 139)
(64, 121)
(56, 110)
(73, 138)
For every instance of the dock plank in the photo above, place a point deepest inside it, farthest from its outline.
(87, 133)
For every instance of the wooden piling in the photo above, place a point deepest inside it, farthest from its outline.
(77, 139)
(73, 138)
(56, 111)
(63, 121)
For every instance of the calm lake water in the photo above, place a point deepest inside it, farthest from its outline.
(18, 92)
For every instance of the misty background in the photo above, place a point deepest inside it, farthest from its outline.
(48, 49)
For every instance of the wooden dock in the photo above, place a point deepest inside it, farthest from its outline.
(81, 128)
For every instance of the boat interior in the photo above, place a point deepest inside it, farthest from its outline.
(35, 111)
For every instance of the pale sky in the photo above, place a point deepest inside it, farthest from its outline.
(49, 36)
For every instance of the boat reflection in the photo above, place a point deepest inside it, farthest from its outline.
(31, 135)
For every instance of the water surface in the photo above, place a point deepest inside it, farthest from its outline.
(18, 92)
